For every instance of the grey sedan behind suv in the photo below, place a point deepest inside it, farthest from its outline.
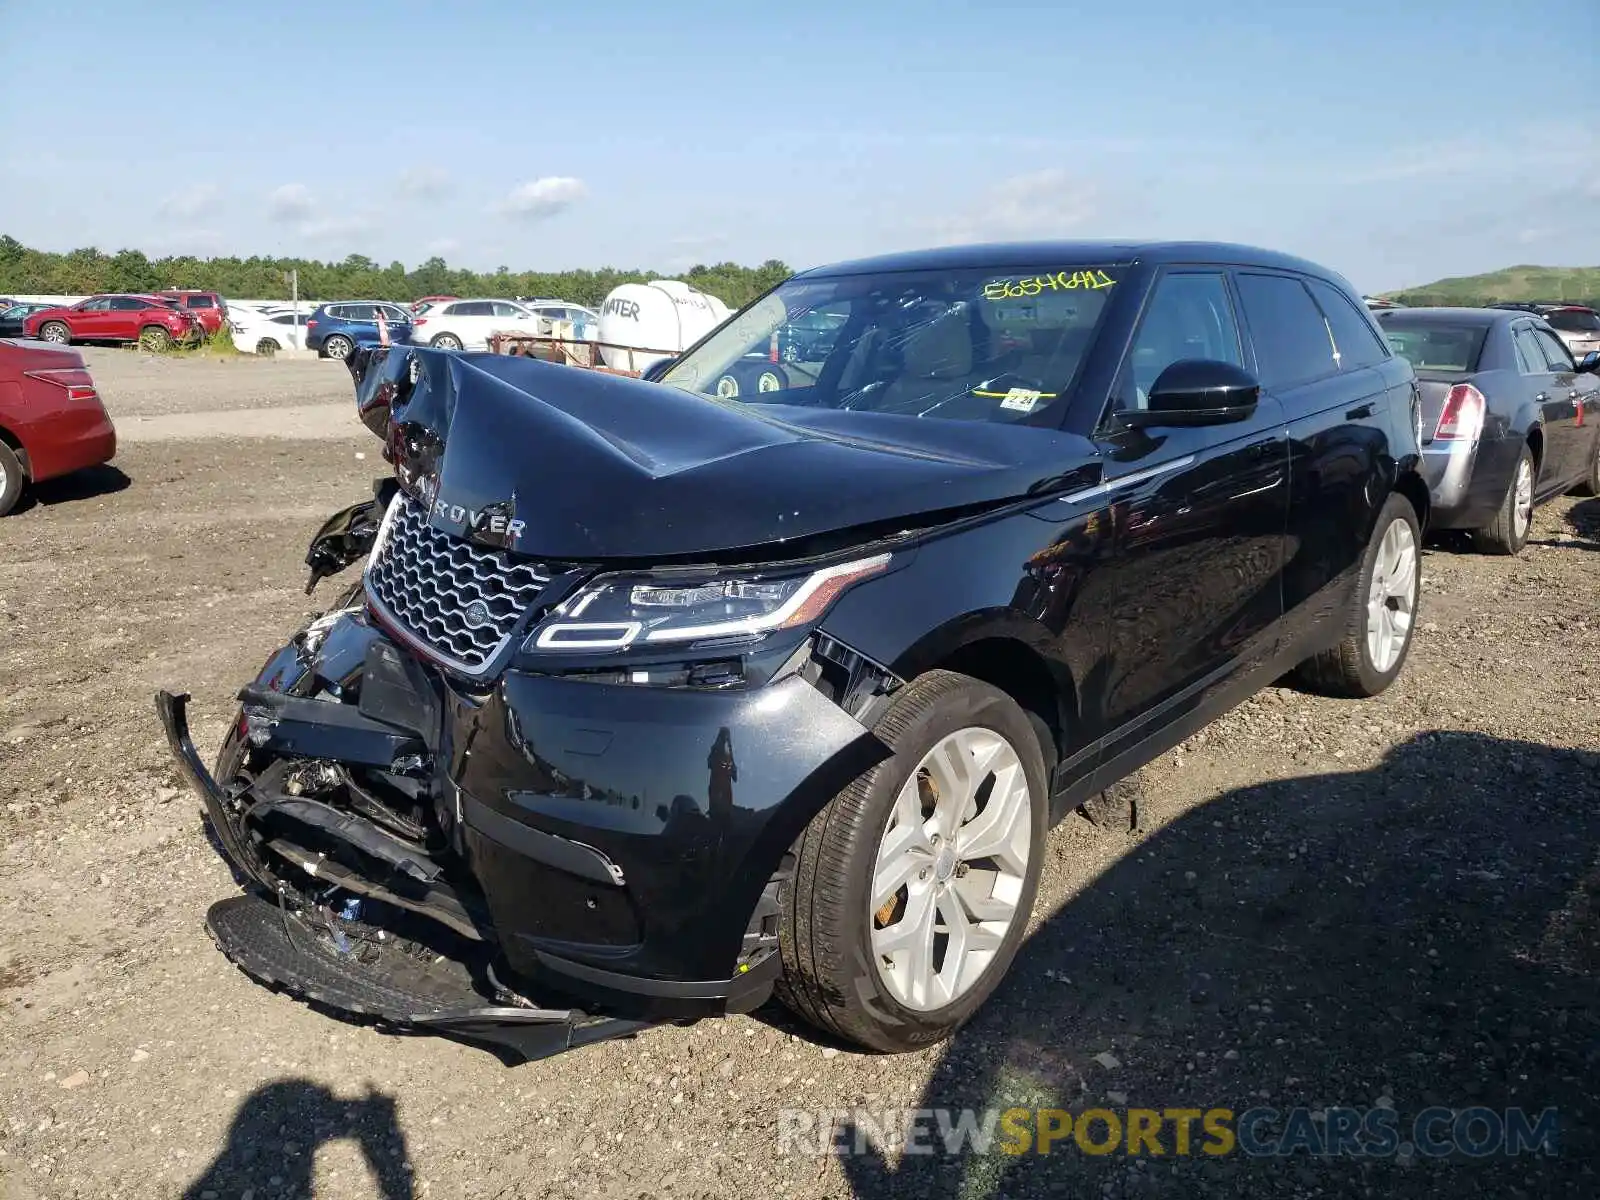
(1509, 418)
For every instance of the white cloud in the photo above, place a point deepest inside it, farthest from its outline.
(424, 183)
(290, 202)
(1038, 204)
(191, 202)
(327, 229)
(545, 197)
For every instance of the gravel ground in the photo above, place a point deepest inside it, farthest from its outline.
(1389, 904)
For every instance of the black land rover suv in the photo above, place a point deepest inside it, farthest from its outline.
(651, 701)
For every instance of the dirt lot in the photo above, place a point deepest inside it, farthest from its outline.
(1388, 904)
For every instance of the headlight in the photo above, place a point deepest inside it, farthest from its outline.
(617, 611)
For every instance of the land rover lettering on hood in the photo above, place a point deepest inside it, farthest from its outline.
(770, 674)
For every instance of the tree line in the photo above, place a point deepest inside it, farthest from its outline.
(26, 271)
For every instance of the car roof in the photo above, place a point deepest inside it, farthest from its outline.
(1031, 255)
(1446, 315)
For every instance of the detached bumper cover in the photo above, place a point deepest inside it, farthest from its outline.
(396, 990)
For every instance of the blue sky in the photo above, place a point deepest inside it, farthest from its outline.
(1394, 140)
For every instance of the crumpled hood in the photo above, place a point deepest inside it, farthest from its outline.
(569, 464)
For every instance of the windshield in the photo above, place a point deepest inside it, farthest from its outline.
(1452, 348)
(1570, 321)
(968, 345)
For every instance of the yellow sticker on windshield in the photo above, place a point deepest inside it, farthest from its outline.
(1062, 281)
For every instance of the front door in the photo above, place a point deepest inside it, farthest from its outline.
(1197, 519)
(1567, 444)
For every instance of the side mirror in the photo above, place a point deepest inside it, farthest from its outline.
(1197, 391)
(1589, 364)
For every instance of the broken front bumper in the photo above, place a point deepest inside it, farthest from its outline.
(396, 989)
(621, 846)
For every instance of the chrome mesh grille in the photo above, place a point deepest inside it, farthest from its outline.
(458, 600)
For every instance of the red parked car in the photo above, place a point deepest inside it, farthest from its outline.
(208, 308)
(51, 419)
(148, 320)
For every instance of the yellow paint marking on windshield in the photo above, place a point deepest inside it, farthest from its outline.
(1062, 281)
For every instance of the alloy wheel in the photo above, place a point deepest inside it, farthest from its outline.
(1392, 598)
(1522, 501)
(950, 869)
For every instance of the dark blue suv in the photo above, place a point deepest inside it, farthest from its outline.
(334, 329)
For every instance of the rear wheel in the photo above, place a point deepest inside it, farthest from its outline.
(153, 337)
(913, 886)
(55, 331)
(446, 341)
(267, 347)
(1382, 615)
(1508, 532)
(338, 346)
(11, 479)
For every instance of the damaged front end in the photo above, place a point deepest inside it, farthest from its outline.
(352, 898)
(446, 828)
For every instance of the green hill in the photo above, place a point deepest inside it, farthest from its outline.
(1580, 285)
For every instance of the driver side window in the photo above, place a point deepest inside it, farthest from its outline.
(1189, 316)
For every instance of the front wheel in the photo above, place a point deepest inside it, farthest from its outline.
(55, 331)
(914, 885)
(1382, 615)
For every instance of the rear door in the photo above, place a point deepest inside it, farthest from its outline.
(1336, 406)
(128, 315)
(1568, 444)
(1196, 521)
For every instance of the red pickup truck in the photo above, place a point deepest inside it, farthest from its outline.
(149, 320)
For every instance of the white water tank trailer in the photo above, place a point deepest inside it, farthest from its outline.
(661, 317)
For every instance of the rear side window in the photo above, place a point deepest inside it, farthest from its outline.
(1292, 341)
(129, 304)
(1530, 358)
(1555, 350)
(1355, 343)
(356, 312)
(201, 302)
(472, 308)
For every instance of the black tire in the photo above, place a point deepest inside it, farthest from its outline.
(338, 346)
(446, 341)
(1347, 669)
(1590, 484)
(266, 347)
(154, 337)
(55, 331)
(1507, 534)
(829, 977)
(12, 479)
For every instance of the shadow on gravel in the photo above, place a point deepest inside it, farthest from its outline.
(273, 1141)
(1584, 517)
(80, 485)
(1423, 934)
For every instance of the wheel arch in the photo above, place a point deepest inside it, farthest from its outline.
(1415, 489)
(14, 442)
